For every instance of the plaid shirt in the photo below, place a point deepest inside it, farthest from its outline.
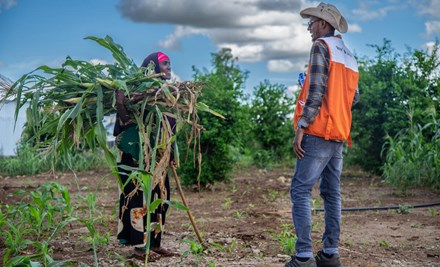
(319, 65)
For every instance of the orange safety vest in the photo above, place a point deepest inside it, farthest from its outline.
(333, 121)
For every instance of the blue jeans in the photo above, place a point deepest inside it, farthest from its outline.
(322, 159)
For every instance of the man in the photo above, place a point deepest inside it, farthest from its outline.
(322, 123)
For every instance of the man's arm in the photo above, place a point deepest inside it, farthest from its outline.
(319, 64)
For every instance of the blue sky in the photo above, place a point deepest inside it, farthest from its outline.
(269, 37)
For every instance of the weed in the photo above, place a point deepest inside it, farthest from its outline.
(404, 209)
(234, 188)
(316, 226)
(432, 211)
(348, 243)
(271, 196)
(239, 214)
(230, 248)
(195, 249)
(227, 203)
(316, 203)
(287, 239)
(384, 244)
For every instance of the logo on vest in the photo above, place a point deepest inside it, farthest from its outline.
(343, 50)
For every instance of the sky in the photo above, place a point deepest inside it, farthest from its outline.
(268, 37)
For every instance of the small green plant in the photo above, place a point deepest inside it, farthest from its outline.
(195, 249)
(271, 196)
(227, 203)
(234, 188)
(384, 244)
(287, 239)
(230, 248)
(239, 214)
(316, 203)
(316, 226)
(404, 209)
(432, 211)
(95, 238)
(32, 224)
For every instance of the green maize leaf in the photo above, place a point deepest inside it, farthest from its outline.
(166, 90)
(119, 84)
(176, 204)
(105, 82)
(60, 226)
(61, 263)
(19, 261)
(117, 51)
(100, 129)
(203, 107)
(153, 206)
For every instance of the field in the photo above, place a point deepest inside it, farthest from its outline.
(249, 218)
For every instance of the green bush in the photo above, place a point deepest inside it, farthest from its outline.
(272, 129)
(390, 85)
(223, 93)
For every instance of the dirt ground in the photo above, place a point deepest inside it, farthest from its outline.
(245, 216)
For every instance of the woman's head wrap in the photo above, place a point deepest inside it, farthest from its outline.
(156, 57)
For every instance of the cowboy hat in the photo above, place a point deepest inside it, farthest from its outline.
(328, 13)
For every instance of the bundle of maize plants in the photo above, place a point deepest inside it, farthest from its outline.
(67, 105)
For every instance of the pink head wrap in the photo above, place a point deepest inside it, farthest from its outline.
(161, 57)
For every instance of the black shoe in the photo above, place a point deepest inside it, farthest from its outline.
(294, 262)
(323, 261)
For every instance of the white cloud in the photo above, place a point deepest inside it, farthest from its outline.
(291, 90)
(430, 47)
(97, 61)
(6, 4)
(430, 10)
(251, 52)
(172, 42)
(354, 28)
(286, 65)
(428, 7)
(432, 27)
(254, 30)
(368, 11)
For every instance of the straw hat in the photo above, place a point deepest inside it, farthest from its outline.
(328, 13)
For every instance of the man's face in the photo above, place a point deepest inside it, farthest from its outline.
(314, 27)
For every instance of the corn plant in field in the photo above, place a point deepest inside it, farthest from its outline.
(28, 228)
(67, 106)
(413, 157)
(287, 239)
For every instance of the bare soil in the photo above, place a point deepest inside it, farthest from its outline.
(245, 216)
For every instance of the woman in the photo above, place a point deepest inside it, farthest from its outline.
(132, 214)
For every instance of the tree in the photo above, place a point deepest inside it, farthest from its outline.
(380, 108)
(391, 87)
(271, 127)
(223, 93)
